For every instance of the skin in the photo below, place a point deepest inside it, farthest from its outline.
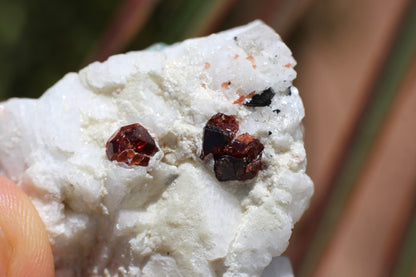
(24, 244)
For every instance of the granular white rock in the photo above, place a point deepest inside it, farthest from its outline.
(173, 217)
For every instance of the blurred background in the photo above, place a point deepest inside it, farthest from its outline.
(356, 74)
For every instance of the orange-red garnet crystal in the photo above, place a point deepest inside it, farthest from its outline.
(131, 144)
(218, 132)
(234, 158)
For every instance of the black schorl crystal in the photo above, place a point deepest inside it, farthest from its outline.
(261, 100)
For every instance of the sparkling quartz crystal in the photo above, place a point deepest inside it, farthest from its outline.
(188, 208)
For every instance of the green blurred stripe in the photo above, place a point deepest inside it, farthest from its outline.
(406, 263)
(187, 19)
(176, 20)
(392, 75)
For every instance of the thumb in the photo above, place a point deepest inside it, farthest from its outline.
(24, 245)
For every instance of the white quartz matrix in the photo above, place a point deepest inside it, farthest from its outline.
(173, 217)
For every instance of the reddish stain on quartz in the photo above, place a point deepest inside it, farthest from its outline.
(131, 144)
(234, 158)
(226, 85)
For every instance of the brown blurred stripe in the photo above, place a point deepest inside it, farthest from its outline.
(368, 237)
(365, 134)
(214, 17)
(282, 15)
(131, 16)
(340, 53)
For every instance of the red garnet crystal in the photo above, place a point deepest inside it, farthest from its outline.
(240, 160)
(218, 132)
(234, 159)
(131, 144)
(245, 146)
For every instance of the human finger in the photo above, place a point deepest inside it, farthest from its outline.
(24, 244)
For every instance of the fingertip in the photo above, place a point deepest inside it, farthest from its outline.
(24, 243)
(5, 252)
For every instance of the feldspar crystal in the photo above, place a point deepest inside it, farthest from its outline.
(167, 194)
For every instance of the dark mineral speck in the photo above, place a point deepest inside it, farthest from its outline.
(261, 100)
(276, 111)
(289, 91)
(131, 144)
(270, 133)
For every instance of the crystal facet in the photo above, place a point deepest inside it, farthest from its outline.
(218, 132)
(131, 144)
(234, 158)
(240, 160)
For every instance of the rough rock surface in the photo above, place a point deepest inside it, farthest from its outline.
(172, 217)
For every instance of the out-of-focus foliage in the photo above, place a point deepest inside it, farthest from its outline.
(42, 40)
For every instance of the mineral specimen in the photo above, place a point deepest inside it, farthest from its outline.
(261, 100)
(218, 132)
(168, 215)
(131, 144)
(234, 159)
(240, 160)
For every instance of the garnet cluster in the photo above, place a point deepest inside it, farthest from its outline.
(131, 144)
(236, 158)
